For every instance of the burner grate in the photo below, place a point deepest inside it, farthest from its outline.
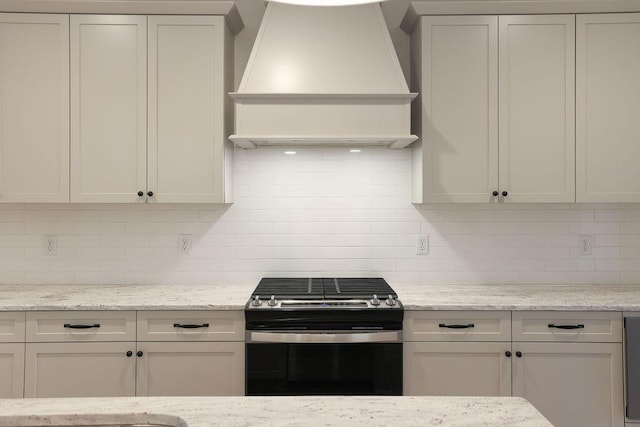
(299, 288)
(358, 288)
(323, 288)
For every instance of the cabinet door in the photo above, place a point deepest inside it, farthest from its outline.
(108, 108)
(537, 103)
(608, 108)
(80, 369)
(457, 369)
(191, 369)
(572, 384)
(34, 108)
(11, 370)
(459, 108)
(186, 108)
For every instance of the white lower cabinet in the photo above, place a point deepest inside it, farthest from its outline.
(96, 369)
(457, 369)
(572, 384)
(190, 353)
(11, 370)
(76, 354)
(190, 369)
(12, 331)
(567, 364)
(457, 353)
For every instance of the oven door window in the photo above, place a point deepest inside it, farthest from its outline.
(324, 369)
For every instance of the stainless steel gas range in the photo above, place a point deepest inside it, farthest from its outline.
(324, 336)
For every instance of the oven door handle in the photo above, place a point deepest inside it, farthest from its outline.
(323, 337)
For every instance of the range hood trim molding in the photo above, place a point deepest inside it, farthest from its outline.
(253, 141)
(277, 95)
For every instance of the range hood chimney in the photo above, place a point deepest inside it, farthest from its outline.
(323, 75)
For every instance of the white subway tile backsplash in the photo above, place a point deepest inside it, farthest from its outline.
(322, 212)
(12, 265)
(495, 277)
(48, 277)
(545, 277)
(597, 278)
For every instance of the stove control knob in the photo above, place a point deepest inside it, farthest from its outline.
(390, 301)
(256, 301)
(375, 300)
(273, 301)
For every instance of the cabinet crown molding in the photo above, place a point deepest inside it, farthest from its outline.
(512, 7)
(144, 7)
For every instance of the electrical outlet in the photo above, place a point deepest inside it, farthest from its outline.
(184, 244)
(422, 244)
(51, 245)
(585, 244)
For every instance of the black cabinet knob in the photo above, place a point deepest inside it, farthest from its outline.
(495, 194)
(518, 354)
(505, 194)
(150, 193)
(507, 353)
(140, 194)
(140, 353)
(129, 353)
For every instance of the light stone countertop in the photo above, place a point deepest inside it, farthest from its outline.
(520, 297)
(123, 297)
(234, 297)
(275, 411)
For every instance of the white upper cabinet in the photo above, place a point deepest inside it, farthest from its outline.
(34, 108)
(148, 109)
(496, 110)
(608, 108)
(108, 108)
(457, 63)
(186, 108)
(537, 105)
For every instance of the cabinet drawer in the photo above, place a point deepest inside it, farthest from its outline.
(457, 326)
(61, 326)
(12, 326)
(190, 326)
(564, 326)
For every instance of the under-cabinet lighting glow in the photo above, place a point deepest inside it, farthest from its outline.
(290, 152)
(355, 150)
(327, 2)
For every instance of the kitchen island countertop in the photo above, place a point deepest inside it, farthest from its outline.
(234, 297)
(275, 411)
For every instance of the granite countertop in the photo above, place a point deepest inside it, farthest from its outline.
(124, 297)
(274, 411)
(234, 297)
(520, 297)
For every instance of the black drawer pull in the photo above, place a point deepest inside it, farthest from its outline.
(580, 326)
(180, 325)
(70, 326)
(467, 326)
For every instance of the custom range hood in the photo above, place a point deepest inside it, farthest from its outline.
(323, 75)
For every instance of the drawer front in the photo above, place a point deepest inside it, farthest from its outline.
(567, 326)
(79, 326)
(190, 326)
(12, 326)
(457, 326)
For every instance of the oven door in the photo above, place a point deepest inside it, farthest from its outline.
(324, 363)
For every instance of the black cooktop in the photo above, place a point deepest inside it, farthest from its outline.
(322, 288)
